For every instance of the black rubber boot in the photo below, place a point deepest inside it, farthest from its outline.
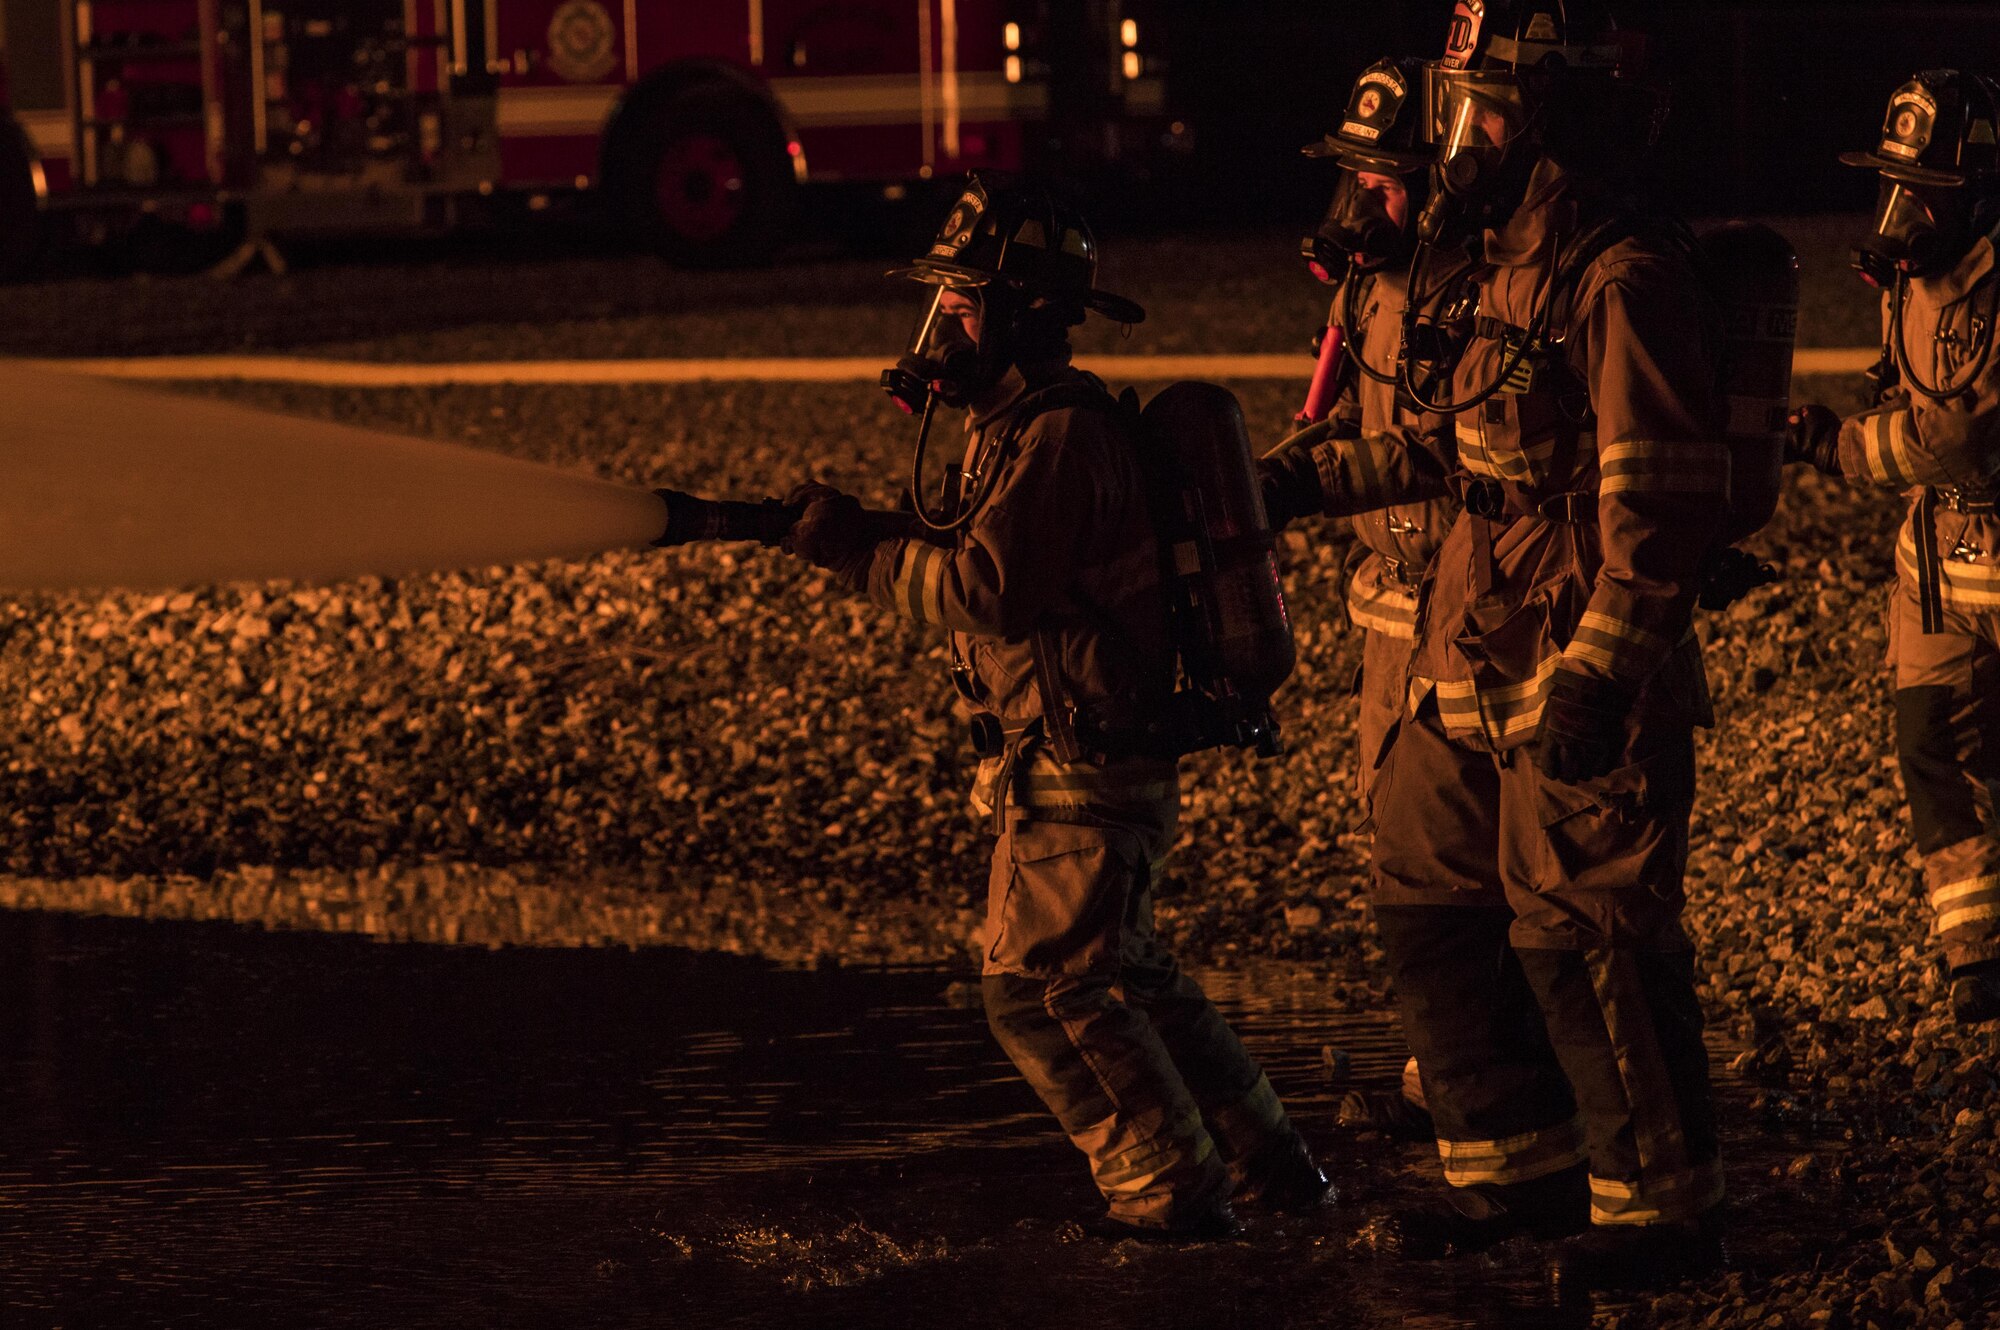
(1471, 1219)
(1386, 1111)
(1975, 993)
(1213, 1223)
(1283, 1177)
(1636, 1257)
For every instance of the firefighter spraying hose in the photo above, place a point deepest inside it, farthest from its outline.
(1106, 581)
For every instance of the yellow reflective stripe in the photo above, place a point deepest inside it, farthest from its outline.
(1048, 783)
(1614, 645)
(1413, 1085)
(1500, 461)
(1886, 448)
(1973, 585)
(1657, 1198)
(1510, 1159)
(1971, 901)
(1958, 891)
(917, 590)
(1382, 609)
(1498, 712)
(1362, 457)
(1663, 468)
(1147, 1155)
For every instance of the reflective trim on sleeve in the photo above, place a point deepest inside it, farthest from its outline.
(1614, 646)
(1511, 1159)
(1885, 448)
(917, 589)
(1657, 1198)
(1644, 466)
(1500, 713)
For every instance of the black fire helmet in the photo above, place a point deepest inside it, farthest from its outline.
(1940, 130)
(1019, 235)
(1385, 125)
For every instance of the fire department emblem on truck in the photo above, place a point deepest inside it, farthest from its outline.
(582, 41)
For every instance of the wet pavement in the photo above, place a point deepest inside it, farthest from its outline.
(204, 1124)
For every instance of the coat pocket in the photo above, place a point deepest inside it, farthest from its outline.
(1057, 898)
(1625, 829)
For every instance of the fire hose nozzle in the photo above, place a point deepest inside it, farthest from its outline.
(691, 519)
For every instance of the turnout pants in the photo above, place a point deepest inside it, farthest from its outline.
(1141, 1070)
(1544, 981)
(1948, 745)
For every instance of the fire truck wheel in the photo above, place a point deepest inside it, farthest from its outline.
(20, 216)
(703, 178)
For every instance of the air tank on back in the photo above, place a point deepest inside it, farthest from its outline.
(1220, 550)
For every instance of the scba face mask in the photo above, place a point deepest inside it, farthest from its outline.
(946, 357)
(1919, 230)
(1480, 123)
(1360, 229)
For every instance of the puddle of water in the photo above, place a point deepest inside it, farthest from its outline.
(215, 1125)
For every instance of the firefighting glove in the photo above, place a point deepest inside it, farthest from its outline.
(832, 533)
(1812, 435)
(1289, 477)
(1583, 727)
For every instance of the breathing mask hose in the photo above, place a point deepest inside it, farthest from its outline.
(1508, 363)
(986, 473)
(1899, 343)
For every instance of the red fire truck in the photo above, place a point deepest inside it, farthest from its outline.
(696, 120)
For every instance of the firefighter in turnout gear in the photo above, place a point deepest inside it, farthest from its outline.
(1041, 564)
(1363, 248)
(1531, 809)
(1935, 432)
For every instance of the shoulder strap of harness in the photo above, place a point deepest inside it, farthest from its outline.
(1058, 706)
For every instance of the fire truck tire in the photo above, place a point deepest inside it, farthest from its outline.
(702, 177)
(21, 231)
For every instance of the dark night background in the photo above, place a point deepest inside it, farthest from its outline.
(1765, 95)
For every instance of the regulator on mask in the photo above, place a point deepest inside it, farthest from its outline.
(1919, 230)
(942, 361)
(1358, 230)
(1482, 127)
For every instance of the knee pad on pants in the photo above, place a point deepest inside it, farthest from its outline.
(1943, 810)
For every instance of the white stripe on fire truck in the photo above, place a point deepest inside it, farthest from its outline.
(547, 112)
(859, 100)
(866, 99)
(407, 374)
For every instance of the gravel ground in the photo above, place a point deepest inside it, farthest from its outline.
(708, 746)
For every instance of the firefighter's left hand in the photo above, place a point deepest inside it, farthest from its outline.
(1583, 728)
(832, 531)
(1812, 436)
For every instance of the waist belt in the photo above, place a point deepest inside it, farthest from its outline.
(1397, 571)
(1974, 503)
(1483, 496)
